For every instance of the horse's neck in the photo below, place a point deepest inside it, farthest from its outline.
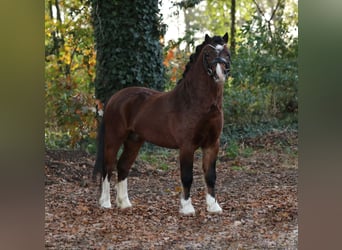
(200, 90)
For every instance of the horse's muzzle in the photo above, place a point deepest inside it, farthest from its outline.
(219, 69)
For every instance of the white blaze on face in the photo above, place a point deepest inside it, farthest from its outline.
(221, 76)
(219, 47)
(105, 194)
(219, 71)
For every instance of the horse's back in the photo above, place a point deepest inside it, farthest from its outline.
(129, 98)
(144, 112)
(125, 104)
(131, 94)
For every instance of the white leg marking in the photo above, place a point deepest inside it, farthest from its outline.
(220, 74)
(212, 205)
(186, 207)
(105, 195)
(122, 200)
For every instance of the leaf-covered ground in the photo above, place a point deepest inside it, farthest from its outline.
(257, 191)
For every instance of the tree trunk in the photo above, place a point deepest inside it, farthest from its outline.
(232, 27)
(127, 43)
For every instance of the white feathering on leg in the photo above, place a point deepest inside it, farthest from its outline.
(212, 205)
(122, 200)
(105, 194)
(186, 207)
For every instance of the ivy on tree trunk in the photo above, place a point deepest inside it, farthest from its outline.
(129, 52)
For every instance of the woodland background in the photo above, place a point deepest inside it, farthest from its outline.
(94, 48)
(261, 94)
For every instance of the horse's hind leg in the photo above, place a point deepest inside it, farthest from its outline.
(111, 148)
(127, 158)
(209, 168)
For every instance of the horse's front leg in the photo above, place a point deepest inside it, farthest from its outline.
(186, 167)
(127, 158)
(209, 169)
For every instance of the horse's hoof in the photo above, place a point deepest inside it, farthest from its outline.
(186, 207)
(105, 204)
(215, 209)
(212, 205)
(123, 204)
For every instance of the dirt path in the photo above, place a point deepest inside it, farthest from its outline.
(258, 194)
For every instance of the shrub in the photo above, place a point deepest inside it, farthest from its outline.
(264, 73)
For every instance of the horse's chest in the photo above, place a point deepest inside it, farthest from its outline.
(209, 127)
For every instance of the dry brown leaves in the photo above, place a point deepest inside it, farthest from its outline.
(259, 200)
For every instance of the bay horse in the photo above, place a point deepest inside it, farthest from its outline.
(186, 118)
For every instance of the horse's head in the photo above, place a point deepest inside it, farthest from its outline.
(216, 59)
(215, 40)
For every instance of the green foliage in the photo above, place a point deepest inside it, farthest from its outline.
(234, 132)
(155, 156)
(244, 104)
(246, 152)
(69, 70)
(260, 95)
(235, 149)
(127, 42)
(175, 59)
(238, 168)
(218, 17)
(232, 151)
(265, 68)
(264, 83)
(214, 15)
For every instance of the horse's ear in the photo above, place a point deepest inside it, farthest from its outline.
(225, 37)
(207, 38)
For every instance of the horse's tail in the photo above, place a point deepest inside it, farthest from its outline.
(99, 166)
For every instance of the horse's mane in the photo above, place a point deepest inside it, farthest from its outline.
(193, 57)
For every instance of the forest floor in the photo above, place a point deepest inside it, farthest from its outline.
(257, 191)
